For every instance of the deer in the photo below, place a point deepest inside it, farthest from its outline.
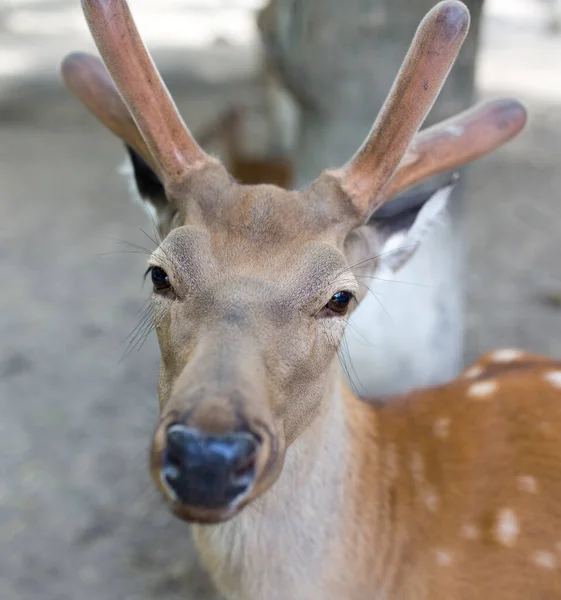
(292, 486)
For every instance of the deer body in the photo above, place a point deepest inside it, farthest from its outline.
(435, 495)
(294, 487)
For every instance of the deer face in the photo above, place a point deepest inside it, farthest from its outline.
(251, 295)
(252, 287)
(253, 284)
(249, 312)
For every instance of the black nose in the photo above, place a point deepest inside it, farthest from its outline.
(208, 471)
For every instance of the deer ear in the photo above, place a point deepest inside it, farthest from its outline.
(146, 186)
(393, 235)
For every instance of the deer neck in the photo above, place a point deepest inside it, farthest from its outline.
(304, 531)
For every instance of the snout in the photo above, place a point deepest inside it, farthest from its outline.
(208, 472)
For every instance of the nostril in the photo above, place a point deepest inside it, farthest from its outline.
(245, 467)
(179, 442)
(245, 453)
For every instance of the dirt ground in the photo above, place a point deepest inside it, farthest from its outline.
(79, 518)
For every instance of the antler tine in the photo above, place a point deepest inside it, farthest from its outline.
(455, 142)
(87, 78)
(423, 72)
(142, 89)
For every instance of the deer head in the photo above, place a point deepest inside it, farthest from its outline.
(253, 284)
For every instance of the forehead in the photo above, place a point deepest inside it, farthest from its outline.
(264, 214)
(257, 237)
(205, 254)
(237, 223)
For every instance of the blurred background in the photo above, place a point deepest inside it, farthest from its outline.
(79, 518)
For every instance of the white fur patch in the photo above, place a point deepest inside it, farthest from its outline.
(482, 389)
(553, 377)
(545, 560)
(441, 428)
(506, 355)
(443, 558)
(473, 372)
(507, 528)
(125, 169)
(402, 245)
(527, 483)
(394, 251)
(431, 500)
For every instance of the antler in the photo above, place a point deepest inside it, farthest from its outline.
(88, 79)
(455, 142)
(142, 89)
(423, 72)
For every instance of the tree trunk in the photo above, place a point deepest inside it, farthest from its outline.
(338, 61)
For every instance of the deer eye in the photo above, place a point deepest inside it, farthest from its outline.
(339, 302)
(160, 279)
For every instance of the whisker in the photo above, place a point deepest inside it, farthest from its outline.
(138, 336)
(145, 313)
(375, 296)
(391, 280)
(123, 252)
(357, 331)
(355, 379)
(343, 363)
(156, 244)
(155, 229)
(131, 244)
(363, 263)
(366, 260)
(339, 347)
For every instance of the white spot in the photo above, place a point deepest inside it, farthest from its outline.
(443, 558)
(527, 483)
(441, 428)
(544, 559)
(507, 528)
(426, 493)
(469, 531)
(482, 389)
(553, 377)
(506, 355)
(473, 372)
(431, 500)
(455, 130)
